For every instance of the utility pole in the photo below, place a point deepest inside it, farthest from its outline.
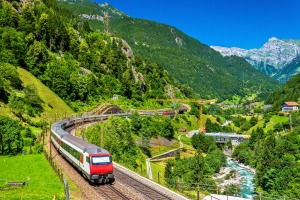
(106, 22)
(290, 121)
(50, 144)
(50, 147)
(201, 126)
(198, 192)
(101, 136)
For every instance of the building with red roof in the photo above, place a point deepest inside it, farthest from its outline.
(289, 106)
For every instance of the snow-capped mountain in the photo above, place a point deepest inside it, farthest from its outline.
(272, 57)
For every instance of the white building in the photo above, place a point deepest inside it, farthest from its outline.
(289, 106)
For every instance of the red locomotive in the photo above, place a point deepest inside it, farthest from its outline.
(94, 162)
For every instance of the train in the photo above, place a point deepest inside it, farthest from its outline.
(169, 113)
(95, 163)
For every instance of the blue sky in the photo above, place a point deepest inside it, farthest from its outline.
(231, 23)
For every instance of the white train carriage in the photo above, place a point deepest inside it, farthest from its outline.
(94, 162)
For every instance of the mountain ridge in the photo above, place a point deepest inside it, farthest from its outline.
(271, 58)
(185, 58)
(289, 70)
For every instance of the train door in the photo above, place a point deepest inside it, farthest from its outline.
(86, 163)
(81, 160)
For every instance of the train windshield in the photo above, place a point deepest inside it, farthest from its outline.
(100, 160)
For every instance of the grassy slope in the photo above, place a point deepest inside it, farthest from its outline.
(34, 170)
(275, 120)
(4, 110)
(41, 181)
(53, 104)
(260, 124)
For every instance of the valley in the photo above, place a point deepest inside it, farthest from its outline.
(147, 88)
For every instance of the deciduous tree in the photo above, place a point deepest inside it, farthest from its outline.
(10, 137)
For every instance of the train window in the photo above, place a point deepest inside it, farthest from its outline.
(100, 160)
(87, 159)
(72, 151)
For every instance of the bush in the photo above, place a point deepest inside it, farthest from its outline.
(38, 148)
(27, 142)
(245, 126)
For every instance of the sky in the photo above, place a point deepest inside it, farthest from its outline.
(245, 24)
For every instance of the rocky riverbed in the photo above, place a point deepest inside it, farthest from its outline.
(237, 174)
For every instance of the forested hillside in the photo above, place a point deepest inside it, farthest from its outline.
(276, 160)
(188, 60)
(290, 91)
(82, 66)
(289, 70)
(275, 153)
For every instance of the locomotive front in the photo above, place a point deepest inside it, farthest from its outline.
(101, 167)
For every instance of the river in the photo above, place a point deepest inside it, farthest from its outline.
(246, 180)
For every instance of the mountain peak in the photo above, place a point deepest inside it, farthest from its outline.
(270, 58)
(273, 39)
(103, 4)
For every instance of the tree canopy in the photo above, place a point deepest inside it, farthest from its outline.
(10, 136)
(78, 63)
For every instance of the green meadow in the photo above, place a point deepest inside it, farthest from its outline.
(40, 180)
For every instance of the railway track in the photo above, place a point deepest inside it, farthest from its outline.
(137, 185)
(110, 192)
(126, 185)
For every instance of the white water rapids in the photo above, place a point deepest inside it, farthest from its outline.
(244, 178)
